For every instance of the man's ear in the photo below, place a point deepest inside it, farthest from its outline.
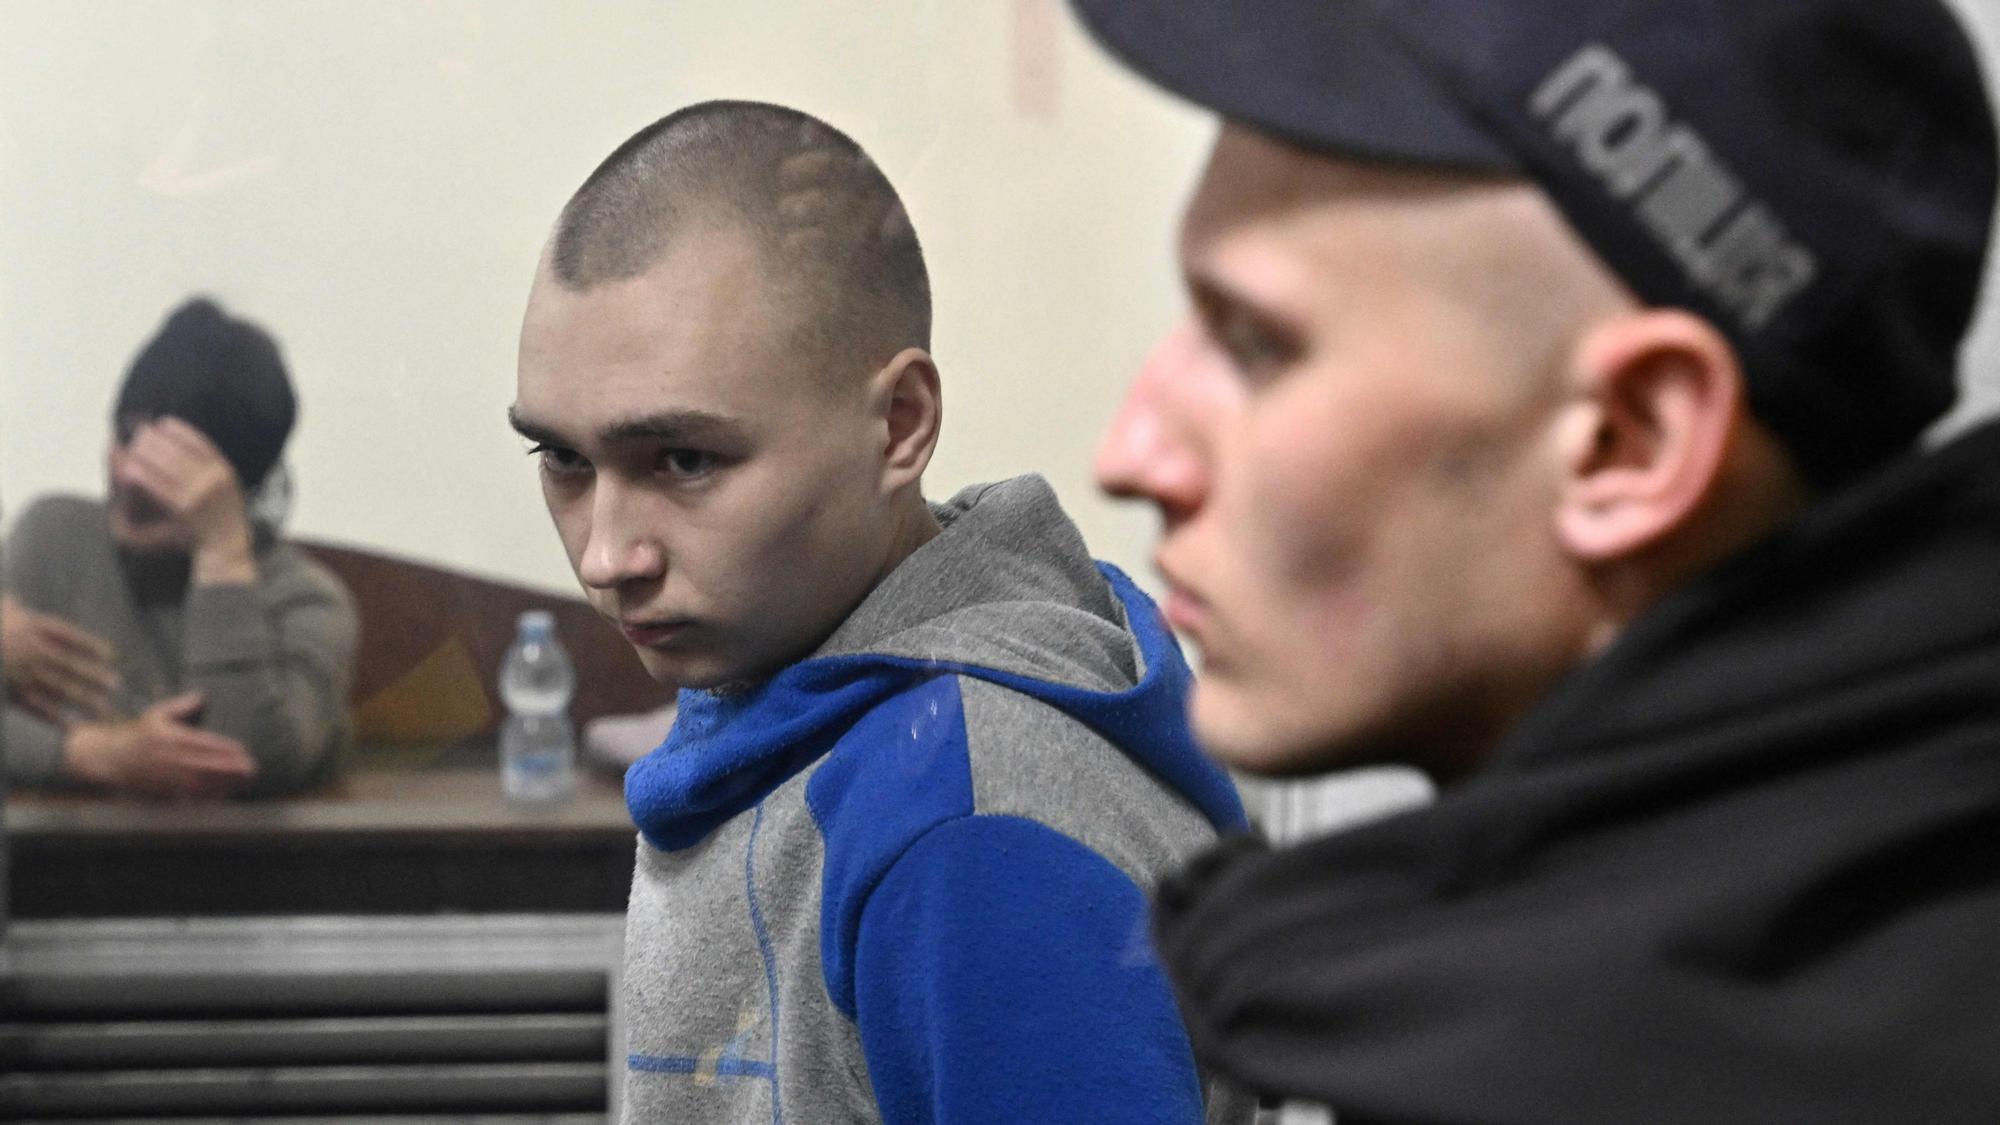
(1657, 398)
(908, 398)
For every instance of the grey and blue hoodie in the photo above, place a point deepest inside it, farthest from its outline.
(905, 879)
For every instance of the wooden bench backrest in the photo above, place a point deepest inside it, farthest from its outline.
(432, 640)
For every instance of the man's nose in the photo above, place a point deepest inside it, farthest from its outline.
(622, 544)
(1153, 449)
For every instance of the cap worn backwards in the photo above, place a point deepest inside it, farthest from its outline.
(1815, 177)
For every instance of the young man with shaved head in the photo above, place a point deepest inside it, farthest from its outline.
(1547, 418)
(928, 757)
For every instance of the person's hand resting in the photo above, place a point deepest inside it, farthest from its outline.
(188, 477)
(159, 754)
(52, 667)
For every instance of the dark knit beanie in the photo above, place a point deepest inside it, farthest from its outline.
(221, 375)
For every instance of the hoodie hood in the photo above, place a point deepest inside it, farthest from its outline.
(1008, 594)
(1740, 868)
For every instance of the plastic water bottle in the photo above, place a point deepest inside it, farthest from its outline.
(537, 744)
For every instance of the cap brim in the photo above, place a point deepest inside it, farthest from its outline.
(1317, 73)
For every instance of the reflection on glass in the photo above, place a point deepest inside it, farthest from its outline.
(168, 645)
(376, 184)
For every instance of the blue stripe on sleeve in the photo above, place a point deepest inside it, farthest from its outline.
(770, 960)
(682, 1064)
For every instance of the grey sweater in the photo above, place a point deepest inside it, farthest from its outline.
(272, 661)
(903, 881)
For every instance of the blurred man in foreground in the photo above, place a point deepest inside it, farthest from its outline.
(166, 642)
(1547, 419)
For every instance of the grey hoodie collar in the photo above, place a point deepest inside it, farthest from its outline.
(1008, 585)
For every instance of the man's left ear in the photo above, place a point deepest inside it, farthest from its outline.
(907, 396)
(1657, 400)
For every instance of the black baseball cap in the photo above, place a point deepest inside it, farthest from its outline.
(1815, 177)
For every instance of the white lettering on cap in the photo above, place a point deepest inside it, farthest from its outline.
(1731, 246)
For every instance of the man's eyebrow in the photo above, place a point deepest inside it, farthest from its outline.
(672, 426)
(1213, 296)
(532, 430)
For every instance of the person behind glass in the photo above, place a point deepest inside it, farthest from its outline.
(166, 642)
(893, 853)
(1548, 418)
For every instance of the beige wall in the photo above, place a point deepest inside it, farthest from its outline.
(373, 182)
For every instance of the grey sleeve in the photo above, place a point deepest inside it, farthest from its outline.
(35, 570)
(273, 667)
(34, 574)
(33, 749)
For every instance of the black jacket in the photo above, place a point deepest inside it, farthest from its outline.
(1743, 867)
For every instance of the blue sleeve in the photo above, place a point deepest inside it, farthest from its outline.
(1003, 973)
